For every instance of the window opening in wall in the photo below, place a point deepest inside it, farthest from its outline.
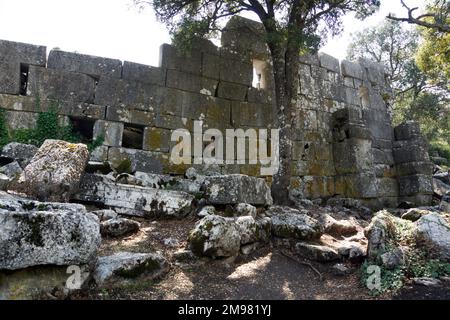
(24, 69)
(259, 74)
(133, 136)
(83, 127)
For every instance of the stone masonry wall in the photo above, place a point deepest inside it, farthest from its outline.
(344, 144)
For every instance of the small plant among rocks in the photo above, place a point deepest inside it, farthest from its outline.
(402, 256)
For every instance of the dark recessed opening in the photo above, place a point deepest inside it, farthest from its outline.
(23, 79)
(83, 127)
(133, 137)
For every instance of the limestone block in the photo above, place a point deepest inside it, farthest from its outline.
(309, 59)
(413, 168)
(143, 73)
(171, 58)
(170, 101)
(236, 71)
(190, 82)
(111, 132)
(83, 63)
(120, 92)
(328, 62)
(60, 85)
(387, 187)
(172, 122)
(251, 114)
(23, 53)
(351, 69)
(232, 91)
(210, 66)
(352, 156)
(9, 77)
(411, 153)
(260, 96)
(415, 184)
(407, 131)
(136, 160)
(361, 185)
(382, 156)
(20, 120)
(130, 115)
(156, 139)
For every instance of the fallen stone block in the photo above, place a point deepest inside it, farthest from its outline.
(119, 227)
(317, 252)
(215, 236)
(134, 200)
(54, 172)
(436, 231)
(291, 223)
(36, 233)
(22, 153)
(121, 266)
(440, 188)
(83, 63)
(236, 188)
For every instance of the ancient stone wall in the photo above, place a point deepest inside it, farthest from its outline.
(344, 144)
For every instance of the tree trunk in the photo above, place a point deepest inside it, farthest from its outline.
(285, 67)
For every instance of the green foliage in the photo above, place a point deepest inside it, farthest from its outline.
(4, 137)
(48, 126)
(442, 149)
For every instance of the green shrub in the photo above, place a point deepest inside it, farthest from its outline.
(4, 137)
(442, 148)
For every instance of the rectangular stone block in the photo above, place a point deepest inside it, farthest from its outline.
(166, 121)
(352, 69)
(252, 115)
(20, 120)
(413, 168)
(309, 59)
(130, 115)
(139, 160)
(23, 53)
(236, 71)
(352, 156)
(174, 59)
(156, 139)
(260, 96)
(415, 184)
(84, 63)
(119, 92)
(9, 77)
(232, 91)
(411, 153)
(361, 185)
(407, 131)
(328, 62)
(382, 156)
(190, 82)
(112, 132)
(143, 73)
(60, 85)
(211, 66)
(387, 187)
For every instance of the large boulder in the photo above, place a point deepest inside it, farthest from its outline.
(20, 152)
(235, 189)
(215, 236)
(291, 223)
(55, 171)
(35, 233)
(435, 230)
(126, 265)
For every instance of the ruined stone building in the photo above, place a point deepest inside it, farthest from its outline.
(344, 143)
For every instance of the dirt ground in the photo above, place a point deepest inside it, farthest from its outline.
(265, 274)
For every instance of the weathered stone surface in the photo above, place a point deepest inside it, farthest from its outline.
(119, 227)
(174, 59)
(60, 85)
(9, 77)
(248, 229)
(55, 171)
(143, 73)
(206, 211)
(393, 258)
(125, 265)
(215, 236)
(351, 69)
(36, 233)
(4, 182)
(12, 170)
(22, 153)
(414, 214)
(105, 214)
(407, 131)
(132, 160)
(436, 231)
(340, 227)
(236, 188)
(189, 82)
(291, 223)
(316, 252)
(328, 62)
(440, 188)
(83, 63)
(112, 132)
(232, 91)
(23, 53)
(134, 200)
(445, 203)
(245, 209)
(41, 282)
(378, 234)
(411, 185)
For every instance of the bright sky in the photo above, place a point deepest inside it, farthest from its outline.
(115, 29)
